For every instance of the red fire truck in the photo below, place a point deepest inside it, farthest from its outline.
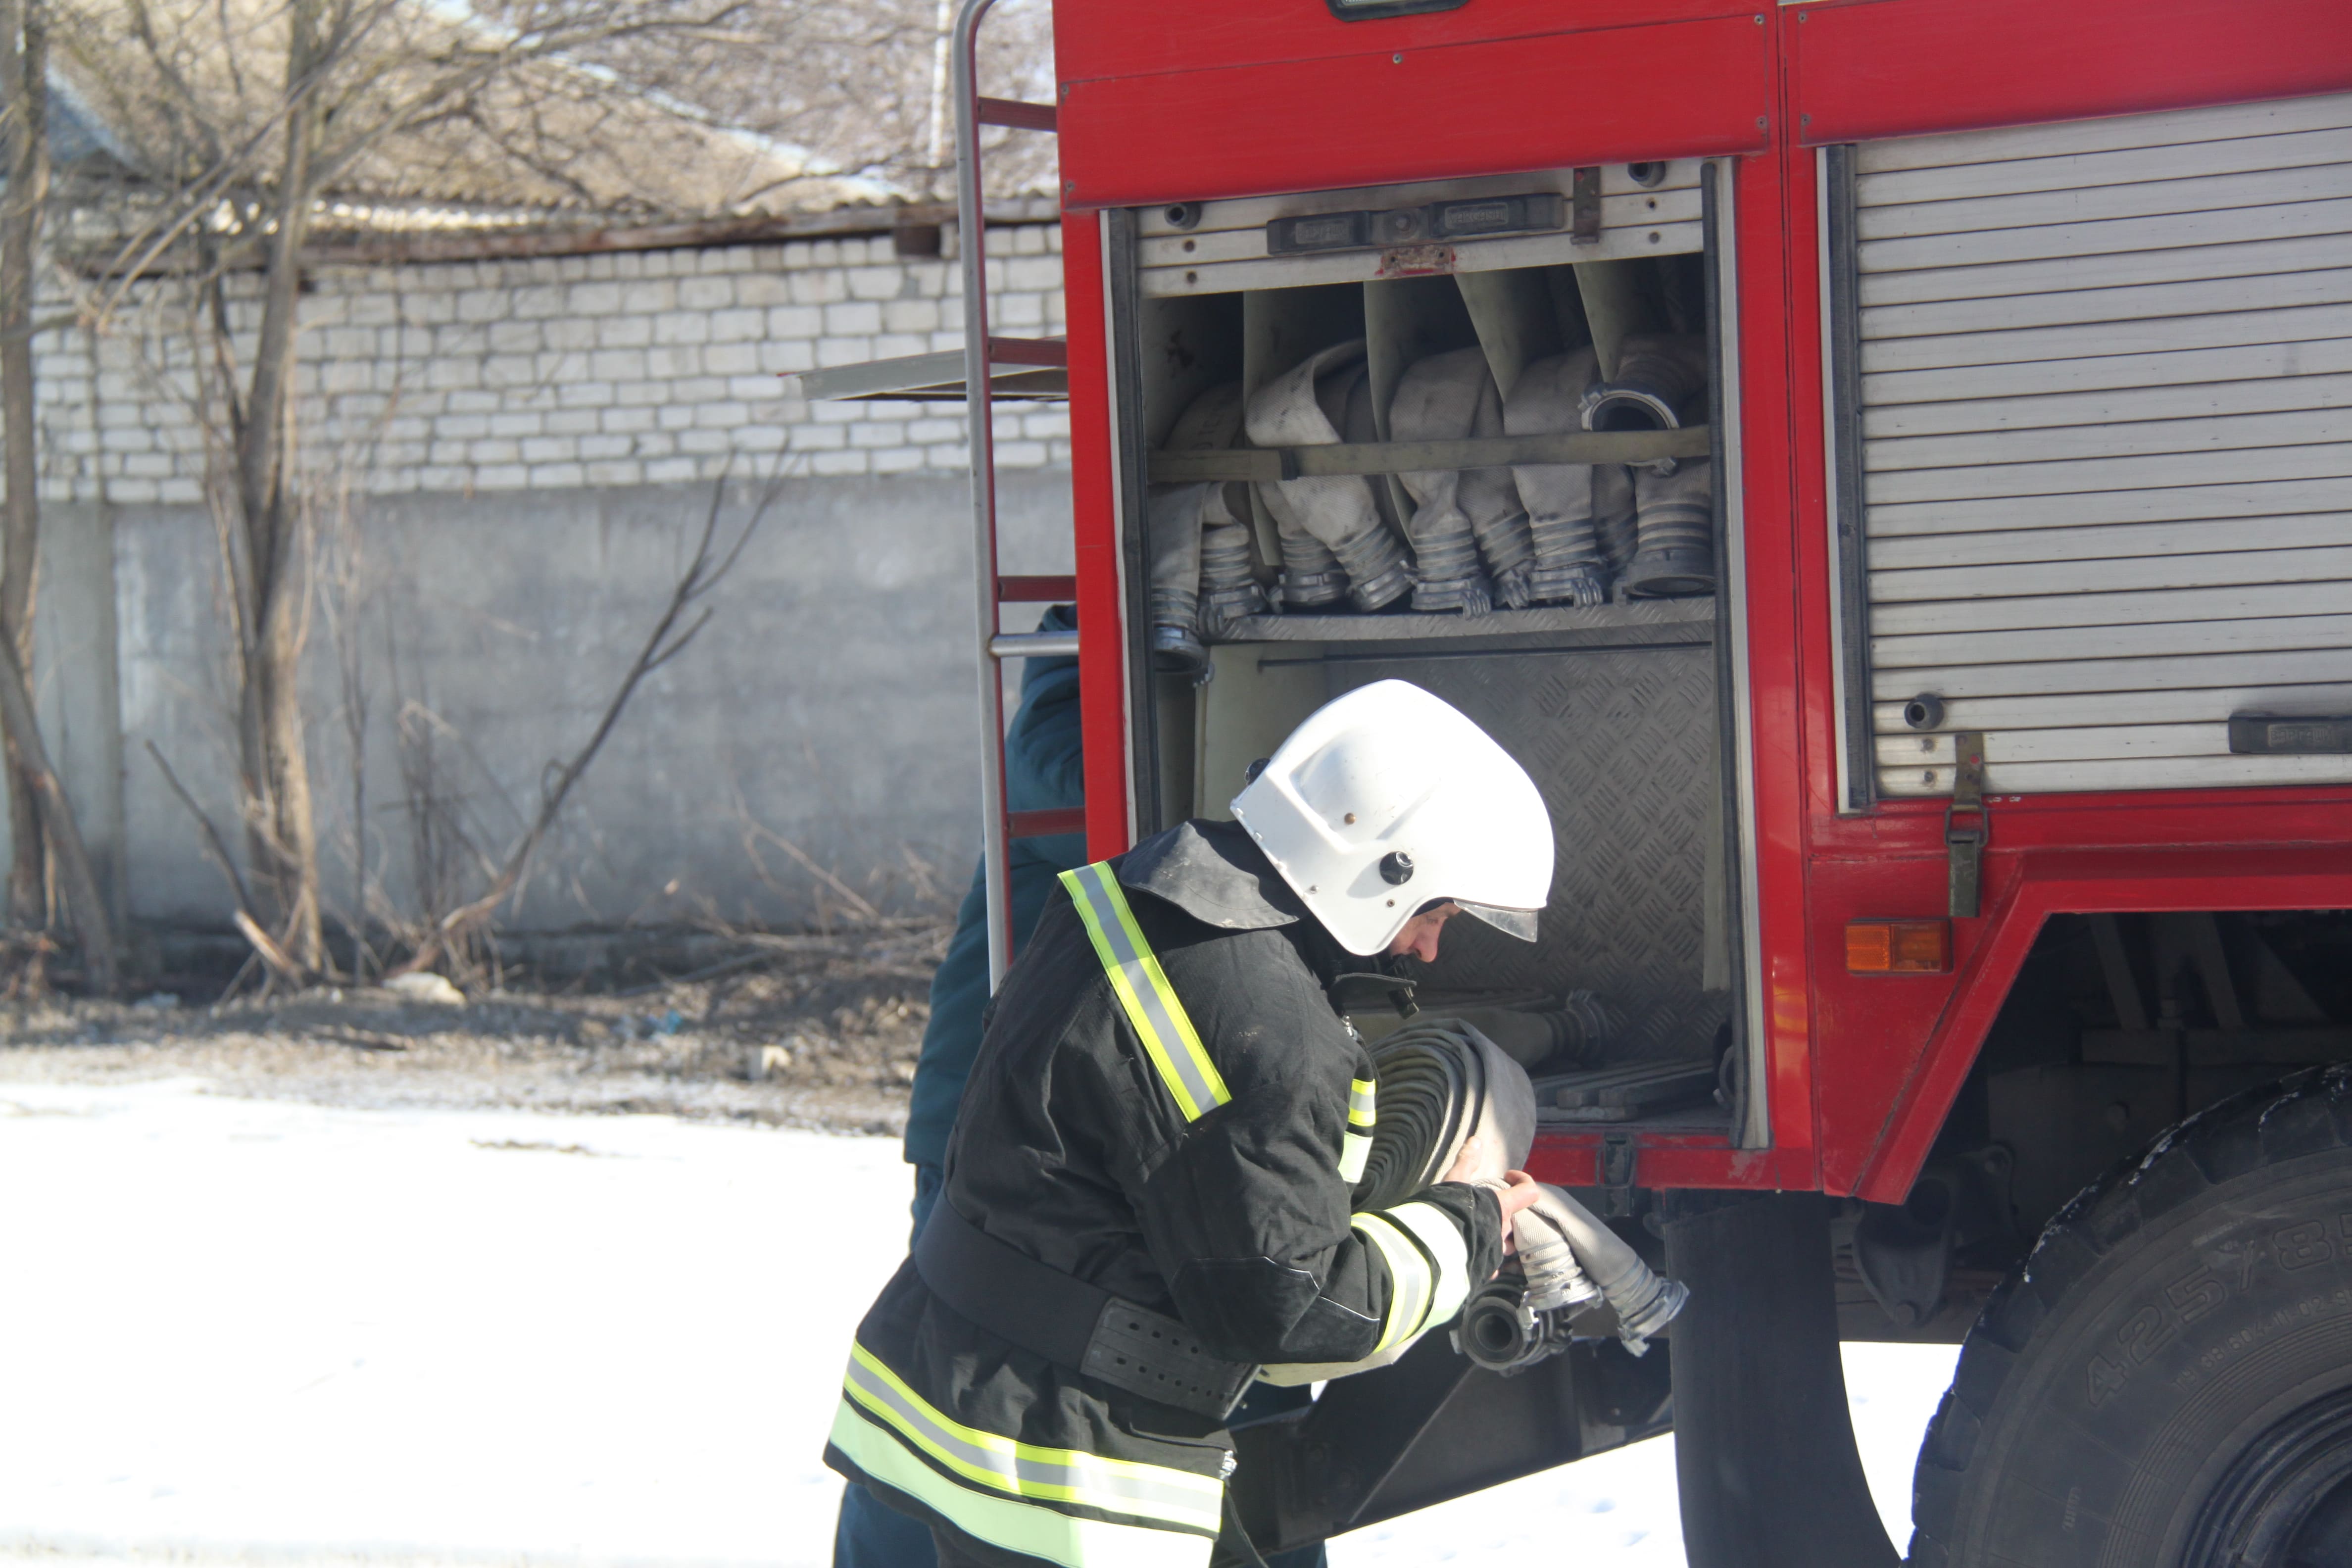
(1886, 467)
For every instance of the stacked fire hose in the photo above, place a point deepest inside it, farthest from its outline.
(1532, 533)
(1445, 1090)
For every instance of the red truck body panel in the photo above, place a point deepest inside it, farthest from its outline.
(1232, 98)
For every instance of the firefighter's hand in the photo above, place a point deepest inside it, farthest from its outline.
(1519, 1191)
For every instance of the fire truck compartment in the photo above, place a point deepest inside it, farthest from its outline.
(1456, 372)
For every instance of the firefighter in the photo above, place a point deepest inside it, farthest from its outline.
(1148, 1186)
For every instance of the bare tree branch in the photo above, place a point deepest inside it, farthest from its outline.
(216, 850)
(704, 571)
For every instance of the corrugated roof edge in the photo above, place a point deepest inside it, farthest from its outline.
(568, 239)
(396, 248)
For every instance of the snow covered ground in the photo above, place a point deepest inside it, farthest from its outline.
(279, 1333)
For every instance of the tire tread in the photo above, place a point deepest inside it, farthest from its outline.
(2307, 1113)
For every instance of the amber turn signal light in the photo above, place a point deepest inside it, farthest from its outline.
(1898, 947)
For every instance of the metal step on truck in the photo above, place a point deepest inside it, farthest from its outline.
(1885, 467)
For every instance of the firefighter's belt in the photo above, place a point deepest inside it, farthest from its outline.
(1072, 1324)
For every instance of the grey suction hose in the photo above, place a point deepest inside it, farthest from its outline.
(1570, 564)
(1334, 543)
(1616, 516)
(1229, 588)
(1438, 400)
(1174, 512)
(1644, 1301)
(1180, 518)
(1676, 516)
(1658, 382)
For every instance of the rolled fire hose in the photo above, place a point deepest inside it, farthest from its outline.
(1570, 566)
(1661, 382)
(1439, 399)
(1177, 515)
(1331, 519)
(1497, 521)
(1615, 517)
(1443, 1088)
(1443, 1084)
(1173, 514)
(1229, 587)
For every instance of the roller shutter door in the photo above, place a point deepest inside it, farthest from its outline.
(2104, 372)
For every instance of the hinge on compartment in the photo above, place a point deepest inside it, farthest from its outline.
(1585, 207)
(1965, 841)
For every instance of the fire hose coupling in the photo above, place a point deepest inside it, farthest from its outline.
(1569, 1263)
(1323, 401)
(1660, 384)
(1466, 522)
(1569, 566)
(1174, 520)
(1450, 1099)
(1196, 582)
(1229, 588)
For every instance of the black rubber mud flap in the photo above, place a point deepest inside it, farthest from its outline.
(1764, 1447)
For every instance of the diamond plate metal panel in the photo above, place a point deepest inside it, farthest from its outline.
(1622, 746)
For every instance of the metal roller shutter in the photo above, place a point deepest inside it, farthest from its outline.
(2104, 378)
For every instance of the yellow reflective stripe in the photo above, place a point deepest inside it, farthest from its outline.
(1027, 1527)
(1361, 1103)
(1410, 1280)
(1176, 1498)
(1142, 985)
(1355, 1152)
(1438, 1236)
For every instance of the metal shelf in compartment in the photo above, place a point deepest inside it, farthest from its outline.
(1631, 615)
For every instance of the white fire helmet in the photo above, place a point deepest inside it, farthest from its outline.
(1389, 800)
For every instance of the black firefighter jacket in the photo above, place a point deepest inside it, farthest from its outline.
(1071, 1147)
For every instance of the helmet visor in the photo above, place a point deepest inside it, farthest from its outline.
(1520, 924)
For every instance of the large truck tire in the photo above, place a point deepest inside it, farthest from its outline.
(2167, 1383)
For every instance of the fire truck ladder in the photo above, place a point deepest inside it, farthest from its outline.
(1012, 370)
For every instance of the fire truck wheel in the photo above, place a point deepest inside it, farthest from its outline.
(2167, 1381)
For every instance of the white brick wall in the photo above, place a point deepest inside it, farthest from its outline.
(647, 367)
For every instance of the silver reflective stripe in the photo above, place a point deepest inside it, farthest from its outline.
(1062, 1475)
(1411, 1279)
(1033, 1530)
(1442, 1240)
